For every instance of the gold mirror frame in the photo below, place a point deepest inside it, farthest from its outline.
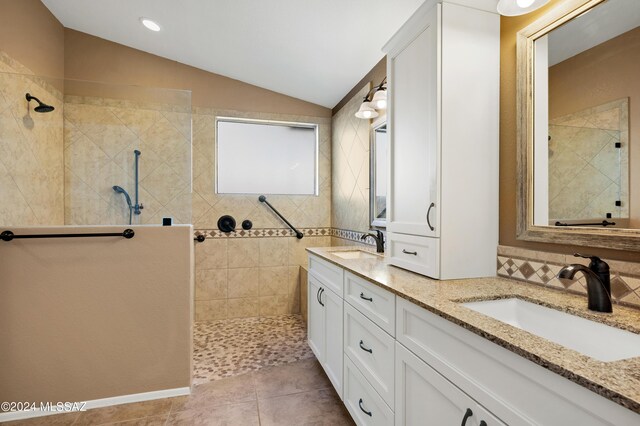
(613, 238)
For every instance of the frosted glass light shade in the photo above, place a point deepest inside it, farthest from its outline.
(379, 100)
(366, 111)
(519, 7)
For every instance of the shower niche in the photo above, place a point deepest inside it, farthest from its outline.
(87, 153)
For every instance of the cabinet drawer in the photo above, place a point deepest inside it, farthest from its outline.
(364, 404)
(427, 398)
(377, 304)
(327, 273)
(417, 254)
(372, 350)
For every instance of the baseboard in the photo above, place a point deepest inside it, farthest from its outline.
(98, 403)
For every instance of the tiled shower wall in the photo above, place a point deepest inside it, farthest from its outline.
(31, 149)
(541, 268)
(253, 273)
(100, 138)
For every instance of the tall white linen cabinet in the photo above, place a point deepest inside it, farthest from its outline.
(443, 69)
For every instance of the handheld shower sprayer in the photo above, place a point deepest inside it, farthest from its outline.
(121, 190)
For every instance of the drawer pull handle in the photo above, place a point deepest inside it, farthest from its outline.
(415, 253)
(432, 205)
(467, 414)
(320, 296)
(365, 349)
(368, 413)
(370, 299)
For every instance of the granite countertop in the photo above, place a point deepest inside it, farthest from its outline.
(618, 381)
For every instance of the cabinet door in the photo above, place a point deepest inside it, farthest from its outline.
(315, 321)
(333, 353)
(413, 127)
(424, 397)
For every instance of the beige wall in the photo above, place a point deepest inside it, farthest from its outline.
(83, 319)
(597, 76)
(509, 26)
(31, 149)
(350, 159)
(30, 34)
(253, 273)
(100, 137)
(95, 59)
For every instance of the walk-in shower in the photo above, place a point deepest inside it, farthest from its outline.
(137, 207)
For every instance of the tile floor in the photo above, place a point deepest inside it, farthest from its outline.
(293, 394)
(231, 347)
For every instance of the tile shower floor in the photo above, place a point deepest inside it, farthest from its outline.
(231, 347)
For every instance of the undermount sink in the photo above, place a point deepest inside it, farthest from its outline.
(354, 254)
(590, 338)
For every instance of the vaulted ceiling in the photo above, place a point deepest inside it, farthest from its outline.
(314, 50)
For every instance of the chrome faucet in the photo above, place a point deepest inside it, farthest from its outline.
(378, 238)
(598, 281)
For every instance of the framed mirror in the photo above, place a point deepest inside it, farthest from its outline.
(578, 131)
(378, 173)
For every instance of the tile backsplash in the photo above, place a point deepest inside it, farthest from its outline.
(542, 268)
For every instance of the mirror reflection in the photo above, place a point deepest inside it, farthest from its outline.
(586, 77)
(378, 187)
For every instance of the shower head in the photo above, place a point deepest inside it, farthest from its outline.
(120, 190)
(42, 107)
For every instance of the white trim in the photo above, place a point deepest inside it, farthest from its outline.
(99, 403)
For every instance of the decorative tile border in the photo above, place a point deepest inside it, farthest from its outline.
(345, 234)
(263, 233)
(542, 269)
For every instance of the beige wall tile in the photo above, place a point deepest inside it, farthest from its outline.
(211, 254)
(243, 308)
(273, 251)
(274, 280)
(274, 305)
(243, 282)
(211, 310)
(244, 252)
(211, 284)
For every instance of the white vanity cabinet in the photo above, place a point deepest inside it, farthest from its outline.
(443, 72)
(324, 323)
(396, 363)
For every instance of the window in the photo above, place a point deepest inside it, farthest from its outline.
(266, 157)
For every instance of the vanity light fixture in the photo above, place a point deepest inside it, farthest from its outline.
(370, 105)
(149, 24)
(519, 7)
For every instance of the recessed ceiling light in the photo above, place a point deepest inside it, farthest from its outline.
(152, 25)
